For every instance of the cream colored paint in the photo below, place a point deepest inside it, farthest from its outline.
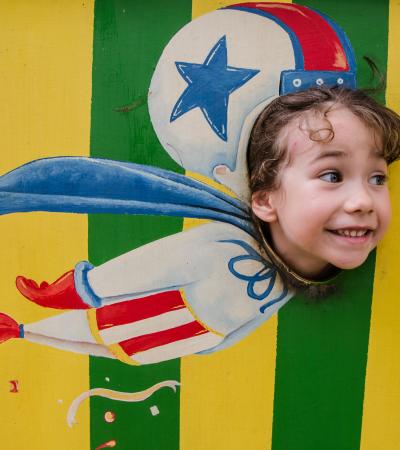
(227, 397)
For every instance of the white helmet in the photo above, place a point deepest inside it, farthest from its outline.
(219, 71)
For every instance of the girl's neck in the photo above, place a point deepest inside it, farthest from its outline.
(305, 265)
(299, 271)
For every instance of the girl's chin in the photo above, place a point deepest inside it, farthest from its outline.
(350, 264)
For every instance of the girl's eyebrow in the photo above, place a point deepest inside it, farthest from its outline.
(378, 154)
(329, 154)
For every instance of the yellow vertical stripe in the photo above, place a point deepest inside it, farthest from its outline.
(45, 93)
(227, 397)
(380, 428)
(200, 7)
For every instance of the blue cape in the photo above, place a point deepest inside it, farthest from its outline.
(89, 185)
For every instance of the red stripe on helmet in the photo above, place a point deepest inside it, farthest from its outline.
(322, 48)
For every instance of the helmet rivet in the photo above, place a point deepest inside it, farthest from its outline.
(319, 81)
(340, 81)
(297, 82)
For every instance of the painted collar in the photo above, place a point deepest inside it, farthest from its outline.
(293, 277)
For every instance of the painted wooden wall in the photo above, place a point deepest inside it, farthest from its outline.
(73, 81)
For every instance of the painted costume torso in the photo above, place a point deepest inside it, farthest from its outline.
(211, 282)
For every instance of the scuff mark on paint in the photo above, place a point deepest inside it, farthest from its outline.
(134, 105)
(117, 395)
(14, 386)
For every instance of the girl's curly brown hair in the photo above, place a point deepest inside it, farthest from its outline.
(266, 153)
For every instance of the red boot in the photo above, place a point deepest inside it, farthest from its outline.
(8, 328)
(59, 295)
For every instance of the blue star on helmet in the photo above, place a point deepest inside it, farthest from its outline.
(209, 87)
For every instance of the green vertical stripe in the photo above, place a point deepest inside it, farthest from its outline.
(322, 346)
(129, 37)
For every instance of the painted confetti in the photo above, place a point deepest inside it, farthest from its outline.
(107, 444)
(109, 416)
(14, 386)
(154, 410)
(117, 395)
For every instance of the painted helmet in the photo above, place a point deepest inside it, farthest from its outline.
(219, 71)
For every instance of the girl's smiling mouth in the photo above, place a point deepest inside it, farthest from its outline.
(353, 234)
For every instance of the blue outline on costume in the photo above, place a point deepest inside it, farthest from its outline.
(268, 272)
(344, 40)
(82, 285)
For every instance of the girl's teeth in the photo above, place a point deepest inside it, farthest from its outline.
(352, 233)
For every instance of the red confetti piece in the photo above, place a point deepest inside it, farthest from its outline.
(14, 386)
(107, 444)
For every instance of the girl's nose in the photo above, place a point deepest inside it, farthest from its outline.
(359, 200)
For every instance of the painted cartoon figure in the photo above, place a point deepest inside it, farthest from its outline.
(203, 289)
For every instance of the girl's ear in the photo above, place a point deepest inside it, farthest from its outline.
(262, 206)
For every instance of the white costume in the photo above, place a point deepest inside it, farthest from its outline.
(203, 289)
(213, 288)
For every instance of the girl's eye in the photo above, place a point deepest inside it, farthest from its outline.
(378, 180)
(331, 177)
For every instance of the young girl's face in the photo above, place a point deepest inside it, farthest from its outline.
(332, 205)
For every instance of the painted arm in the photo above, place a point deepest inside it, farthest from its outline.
(171, 263)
